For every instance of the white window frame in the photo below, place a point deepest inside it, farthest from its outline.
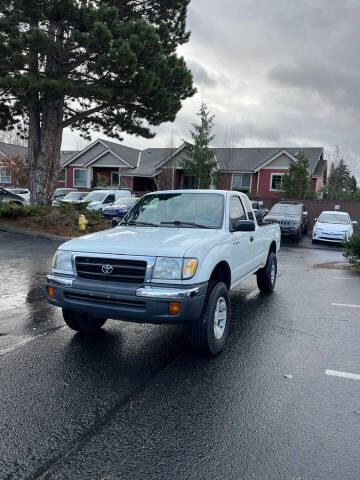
(65, 170)
(271, 178)
(238, 174)
(86, 180)
(111, 179)
(9, 175)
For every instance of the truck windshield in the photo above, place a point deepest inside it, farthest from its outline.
(189, 210)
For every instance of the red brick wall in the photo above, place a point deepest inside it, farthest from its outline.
(126, 182)
(225, 181)
(313, 184)
(254, 182)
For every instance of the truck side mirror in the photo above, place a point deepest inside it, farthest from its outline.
(245, 226)
(354, 222)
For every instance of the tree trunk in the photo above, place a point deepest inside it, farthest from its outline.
(44, 155)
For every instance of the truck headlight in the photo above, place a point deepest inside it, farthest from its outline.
(170, 268)
(62, 262)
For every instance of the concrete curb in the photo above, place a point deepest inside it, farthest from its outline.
(32, 233)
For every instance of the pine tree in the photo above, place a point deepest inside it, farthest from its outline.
(296, 183)
(353, 184)
(200, 160)
(107, 65)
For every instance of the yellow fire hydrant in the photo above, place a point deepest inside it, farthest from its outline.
(83, 222)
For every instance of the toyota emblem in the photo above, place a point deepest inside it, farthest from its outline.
(107, 269)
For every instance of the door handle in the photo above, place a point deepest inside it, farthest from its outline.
(251, 239)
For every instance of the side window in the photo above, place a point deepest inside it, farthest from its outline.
(110, 198)
(248, 209)
(237, 212)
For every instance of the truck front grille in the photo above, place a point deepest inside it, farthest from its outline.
(111, 270)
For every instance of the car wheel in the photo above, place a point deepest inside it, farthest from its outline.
(306, 229)
(210, 331)
(266, 277)
(314, 241)
(82, 322)
(298, 235)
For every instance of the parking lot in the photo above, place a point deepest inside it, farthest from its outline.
(281, 402)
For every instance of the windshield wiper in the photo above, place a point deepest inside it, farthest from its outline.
(179, 223)
(145, 224)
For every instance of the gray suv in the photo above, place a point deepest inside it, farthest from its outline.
(292, 218)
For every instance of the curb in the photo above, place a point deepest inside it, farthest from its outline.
(32, 233)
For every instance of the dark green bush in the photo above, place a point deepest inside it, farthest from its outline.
(351, 249)
(11, 210)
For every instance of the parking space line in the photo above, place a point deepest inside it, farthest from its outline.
(345, 305)
(336, 373)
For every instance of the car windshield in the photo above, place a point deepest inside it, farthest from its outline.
(95, 197)
(285, 209)
(125, 202)
(18, 191)
(74, 196)
(191, 210)
(334, 218)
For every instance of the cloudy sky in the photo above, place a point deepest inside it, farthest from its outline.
(275, 73)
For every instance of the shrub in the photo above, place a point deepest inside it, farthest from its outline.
(351, 249)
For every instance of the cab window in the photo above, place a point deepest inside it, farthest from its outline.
(110, 199)
(237, 212)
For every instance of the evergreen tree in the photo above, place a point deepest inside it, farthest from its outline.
(340, 184)
(353, 184)
(200, 160)
(107, 65)
(296, 183)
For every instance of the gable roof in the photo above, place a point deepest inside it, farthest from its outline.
(10, 150)
(149, 162)
(252, 159)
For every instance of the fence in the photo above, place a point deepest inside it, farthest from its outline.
(315, 207)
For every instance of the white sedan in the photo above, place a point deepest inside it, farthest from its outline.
(333, 226)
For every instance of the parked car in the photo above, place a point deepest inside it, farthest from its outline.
(259, 211)
(7, 196)
(333, 226)
(292, 218)
(23, 192)
(102, 198)
(60, 193)
(118, 209)
(73, 197)
(174, 260)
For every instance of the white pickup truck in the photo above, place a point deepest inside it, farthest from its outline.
(173, 259)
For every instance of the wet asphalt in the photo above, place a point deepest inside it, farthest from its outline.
(135, 403)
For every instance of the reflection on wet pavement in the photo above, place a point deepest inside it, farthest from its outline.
(24, 312)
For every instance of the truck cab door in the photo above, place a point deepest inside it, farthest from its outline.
(242, 243)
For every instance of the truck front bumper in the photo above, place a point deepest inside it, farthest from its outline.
(135, 303)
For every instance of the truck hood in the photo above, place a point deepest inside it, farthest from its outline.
(142, 241)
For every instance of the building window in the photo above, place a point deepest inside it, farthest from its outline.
(115, 179)
(62, 175)
(276, 182)
(80, 177)
(188, 182)
(5, 176)
(241, 183)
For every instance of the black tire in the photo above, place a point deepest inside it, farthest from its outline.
(204, 339)
(265, 281)
(314, 241)
(82, 322)
(306, 229)
(298, 235)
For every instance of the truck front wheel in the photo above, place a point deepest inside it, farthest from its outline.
(266, 277)
(82, 322)
(210, 331)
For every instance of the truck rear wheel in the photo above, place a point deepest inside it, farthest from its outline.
(210, 331)
(82, 322)
(266, 277)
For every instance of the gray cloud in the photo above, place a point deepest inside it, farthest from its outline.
(279, 73)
